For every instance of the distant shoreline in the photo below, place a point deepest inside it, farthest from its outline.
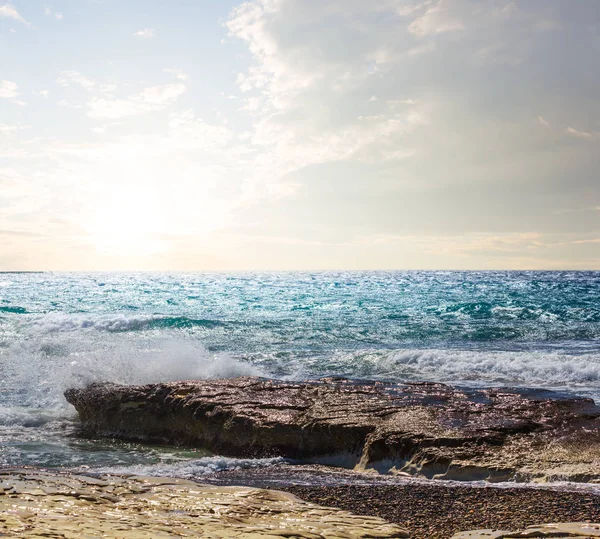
(13, 272)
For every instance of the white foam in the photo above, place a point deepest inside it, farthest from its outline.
(191, 468)
(60, 322)
(41, 362)
(535, 368)
(28, 417)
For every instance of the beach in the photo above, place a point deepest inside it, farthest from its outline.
(442, 382)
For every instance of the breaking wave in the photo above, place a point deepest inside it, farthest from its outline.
(191, 469)
(50, 354)
(479, 367)
(118, 323)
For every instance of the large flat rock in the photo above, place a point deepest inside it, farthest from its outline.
(427, 430)
(35, 504)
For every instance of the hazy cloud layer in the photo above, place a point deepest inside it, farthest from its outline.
(329, 134)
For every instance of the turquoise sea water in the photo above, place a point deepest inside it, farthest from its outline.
(531, 329)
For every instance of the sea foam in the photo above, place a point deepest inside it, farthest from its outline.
(49, 354)
(192, 468)
(481, 367)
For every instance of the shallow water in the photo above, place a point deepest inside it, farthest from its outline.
(527, 329)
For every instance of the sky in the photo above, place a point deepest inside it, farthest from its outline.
(299, 134)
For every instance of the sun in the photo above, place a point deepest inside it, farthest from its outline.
(128, 223)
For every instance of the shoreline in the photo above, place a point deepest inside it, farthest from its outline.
(428, 430)
(426, 511)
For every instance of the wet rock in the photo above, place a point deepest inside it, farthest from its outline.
(427, 430)
(560, 531)
(39, 504)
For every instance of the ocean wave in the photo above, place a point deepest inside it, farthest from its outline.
(522, 367)
(28, 417)
(117, 323)
(507, 311)
(36, 369)
(191, 468)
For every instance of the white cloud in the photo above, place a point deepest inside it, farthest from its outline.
(447, 145)
(8, 89)
(160, 96)
(311, 97)
(145, 33)
(68, 78)
(150, 99)
(437, 19)
(10, 12)
(464, 244)
(581, 242)
(50, 13)
(42, 93)
(6, 129)
(177, 73)
(579, 134)
(189, 132)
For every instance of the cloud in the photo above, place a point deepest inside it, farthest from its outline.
(145, 33)
(10, 12)
(466, 244)
(20, 234)
(437, 19)
(6, 129)
(177, 73)
(8, 89)
(68, 78)
(50, 13)
(579, 134)
(178, 184)
(450, 133)
(425, 174)
(583, 242)
(150, 99)
(42, 93)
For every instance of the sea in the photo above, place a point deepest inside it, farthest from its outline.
(466, 328)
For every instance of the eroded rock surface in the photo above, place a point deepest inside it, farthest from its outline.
(40, 505)
(558, 531)
(428, 430)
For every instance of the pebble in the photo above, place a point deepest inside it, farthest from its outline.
(439, 512)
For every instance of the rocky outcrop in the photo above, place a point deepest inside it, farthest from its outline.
(35, 504)
(558, 531)
(427, 430)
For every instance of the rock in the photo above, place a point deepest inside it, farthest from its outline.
(37, 504)
(427, 430)
(558, 531)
